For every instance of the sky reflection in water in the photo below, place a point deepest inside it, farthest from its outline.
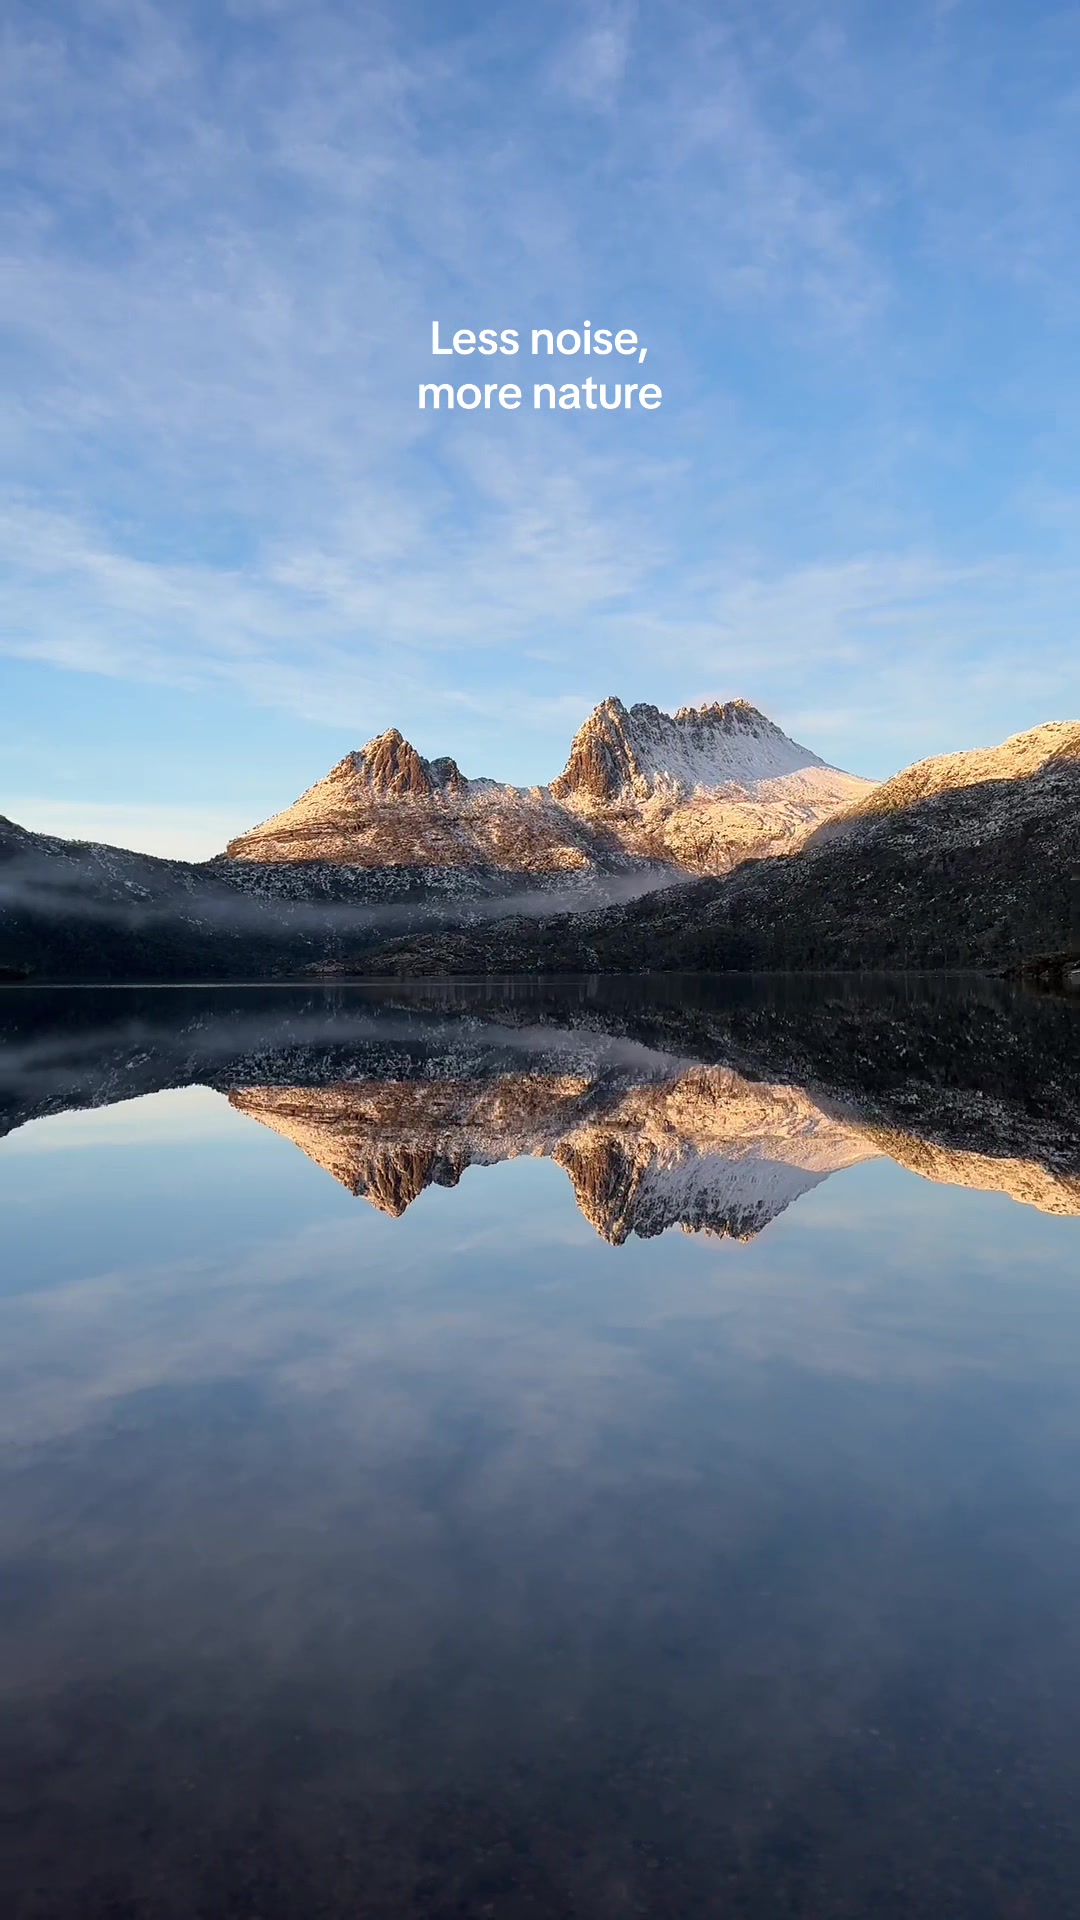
(466, 1563)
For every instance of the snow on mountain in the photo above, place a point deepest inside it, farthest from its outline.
(1050, 1189)
(1015, 759)
(704, 788)
(386, 805)
(1042, 756)
(640, 752)
(699, 790)
(969, 860)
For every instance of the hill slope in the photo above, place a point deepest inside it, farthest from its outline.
(76, 910)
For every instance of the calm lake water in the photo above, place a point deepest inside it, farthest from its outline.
(599, 1450)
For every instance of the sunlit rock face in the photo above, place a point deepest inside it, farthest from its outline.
(696, 790)
(1050, 753)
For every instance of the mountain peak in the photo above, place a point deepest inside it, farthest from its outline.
(729, 713)
(700, 789)
(704, 1150)
(389, 764)
(602, 760)
(634, 753)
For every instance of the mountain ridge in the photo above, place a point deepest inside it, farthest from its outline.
(697, 790)
(81, 910)
(1019, 757)
(703, 1150)
(966, 860)
(706, 1150)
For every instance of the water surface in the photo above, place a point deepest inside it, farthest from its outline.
(599, 1449)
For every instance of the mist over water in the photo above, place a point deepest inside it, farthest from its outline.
(530, 1448)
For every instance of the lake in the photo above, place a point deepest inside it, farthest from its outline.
(599, 1448)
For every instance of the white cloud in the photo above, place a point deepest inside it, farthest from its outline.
(221, 292)
(550, 572)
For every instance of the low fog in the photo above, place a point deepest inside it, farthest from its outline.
(44, 888)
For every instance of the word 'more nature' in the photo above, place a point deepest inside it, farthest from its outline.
(590, 394)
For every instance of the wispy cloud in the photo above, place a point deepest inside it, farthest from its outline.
(219, 294)
(890, 624)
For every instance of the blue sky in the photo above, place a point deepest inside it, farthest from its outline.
(231, 546)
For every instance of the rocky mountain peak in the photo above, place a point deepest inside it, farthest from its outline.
(390, 765)
(447, 775)
(602, 761)
(703, 1150)
(729, 716)
(697, 790)
(623, 753)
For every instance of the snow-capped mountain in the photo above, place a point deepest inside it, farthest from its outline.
(639, 753)
(968, 860)
(704, 787)
(395, 1094)
(697, 790)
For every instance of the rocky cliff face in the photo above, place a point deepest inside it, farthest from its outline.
(702, 788)
(695, 790)
(622, 754)
(388, 806)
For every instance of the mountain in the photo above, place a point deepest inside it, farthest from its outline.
(696, 790)
(969, 860)
(76, 910)
(389, 844)
(706, 1151)
(395, 864)
(703, 788)
(386, 806)
(1054, 747)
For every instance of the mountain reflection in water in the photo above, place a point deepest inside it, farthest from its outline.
(447, 1555)
(707, 1106)
(706, 1150)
